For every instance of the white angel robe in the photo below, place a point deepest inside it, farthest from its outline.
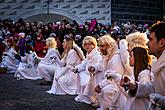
(47, 65)
(109, 88)
(140, 103)
(27, 67)
(158, 69)
(67, 82)
(88, 80)
(10, 61)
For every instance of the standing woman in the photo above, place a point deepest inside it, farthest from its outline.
(65, 80)
(140, 60)
(47, 65)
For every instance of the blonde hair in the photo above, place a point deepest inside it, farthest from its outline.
(79, 51)
(89, 39)
(136, 39)
(108, 40)
(51, 42)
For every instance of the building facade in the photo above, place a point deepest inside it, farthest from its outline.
(104, 11)
(138, 10)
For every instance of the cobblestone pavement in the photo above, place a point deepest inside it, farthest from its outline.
(29, 95)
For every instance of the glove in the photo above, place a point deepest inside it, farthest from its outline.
(157, 98)
(18, 57)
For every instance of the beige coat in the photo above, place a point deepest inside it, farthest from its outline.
(158, 69)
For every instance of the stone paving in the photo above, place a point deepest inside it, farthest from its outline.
(29, 95)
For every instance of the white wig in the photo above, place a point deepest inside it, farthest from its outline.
(107, 39)
(136, 39)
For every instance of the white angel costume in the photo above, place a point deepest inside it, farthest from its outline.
(27, 67)
(48, 65)
(65, 80)
(9, 61)
(88, 80)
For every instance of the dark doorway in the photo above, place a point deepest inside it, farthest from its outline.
(47, 18)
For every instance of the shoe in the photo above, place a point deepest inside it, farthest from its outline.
(51, 92)
(78, 99)
(45, 82)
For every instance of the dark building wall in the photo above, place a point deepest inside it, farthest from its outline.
(137, 10)
(163, 8)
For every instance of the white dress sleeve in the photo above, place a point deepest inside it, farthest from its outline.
(145, 84)
(71, 60)
(82, 66)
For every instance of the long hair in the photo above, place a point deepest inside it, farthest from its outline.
(142, 60)
(29, 48)
(72, 45)
(13, 44)
(107, 39)
(112, 47)
(70, 42)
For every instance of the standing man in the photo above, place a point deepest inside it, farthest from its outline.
(156, 46)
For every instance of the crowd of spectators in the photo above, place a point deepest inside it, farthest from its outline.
(35, 33)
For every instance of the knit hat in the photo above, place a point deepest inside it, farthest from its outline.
(21, 34)
(28, 37)
(52, 35)
(77, 37)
